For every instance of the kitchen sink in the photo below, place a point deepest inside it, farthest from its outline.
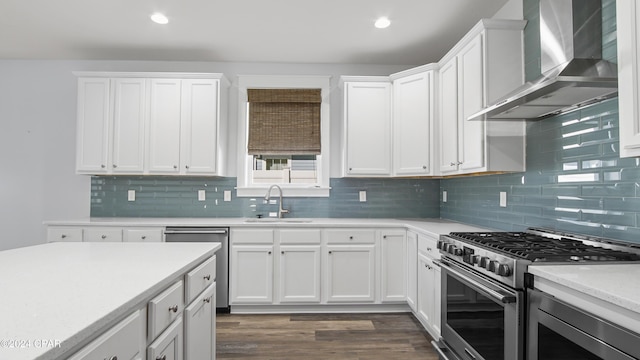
(277, 220)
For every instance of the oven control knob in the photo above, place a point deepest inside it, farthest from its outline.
(483, 262)
(451, 249)
(439, 244)
(468, 258)
(492, 265)
(475, 259)
(503, 270)
(458, 252)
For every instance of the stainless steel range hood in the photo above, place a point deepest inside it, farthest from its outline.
(573, 71)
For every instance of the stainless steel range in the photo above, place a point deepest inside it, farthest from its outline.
(484, 295)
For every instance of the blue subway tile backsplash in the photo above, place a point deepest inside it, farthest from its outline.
(177, 197)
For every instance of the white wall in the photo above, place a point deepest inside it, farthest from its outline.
(37, 134)
(511, 10)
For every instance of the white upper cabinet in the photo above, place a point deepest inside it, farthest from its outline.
(93, 128)
(151, 123)
(484, 66)
(367, 126)
(413, 112)
(164, 126)
(628, 18)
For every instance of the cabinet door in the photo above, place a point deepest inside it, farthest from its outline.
(471, 136)
(368, 128)
(412, 114)
(449, 116)
(628, 17)
(93, 131)
(200, 327)
(350, 273)
(199, 126)
(299, 278)
(394, 266)
(251, 274)
(426, 288)
(412, 270)
(168, 346)
(129, 113)
(164, 126)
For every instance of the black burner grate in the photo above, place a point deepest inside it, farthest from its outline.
(535, 247)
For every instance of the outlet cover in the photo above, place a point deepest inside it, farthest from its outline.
(444, 196)
(131, 195)
(363, 196)
(503, 199)
(227, 195)
(202, 195)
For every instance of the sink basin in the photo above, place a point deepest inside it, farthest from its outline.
(277, 220)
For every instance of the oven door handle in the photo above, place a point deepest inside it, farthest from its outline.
(497, 294)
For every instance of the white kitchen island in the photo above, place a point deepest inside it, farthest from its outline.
(58, 298)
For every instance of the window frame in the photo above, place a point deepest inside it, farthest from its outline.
(245, 161)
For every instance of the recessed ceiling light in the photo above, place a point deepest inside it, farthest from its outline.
(159, 18)
(382, 23)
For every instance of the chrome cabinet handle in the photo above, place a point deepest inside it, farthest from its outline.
(424, 167)
(350, 237)
(207, 300)
(104, 236)
(112, 358)
(269, 252)
(174, 308)
(63, 236)
(175, 166)
(115, 166)
(282, 252)
(163, 357)
(452, 164)
(143, 237)
(384, 236)
(329, 252)
(207, 277)
(186, 167)
(459, 162)
(103, 166)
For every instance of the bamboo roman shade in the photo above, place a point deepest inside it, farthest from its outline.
(284, 121)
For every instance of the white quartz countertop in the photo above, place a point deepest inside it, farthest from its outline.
(56, 295)
(614, 286)
(433, 227)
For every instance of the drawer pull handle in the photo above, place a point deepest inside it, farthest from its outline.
(104, 236)
(350, 237)
(112, 358)
(207, 277)
(207, 300)
(143, 237)
(63, 236)
(384, 236)
(329, 252)
(269, 252)
(429, 249)
(174, 308)
(163, 357)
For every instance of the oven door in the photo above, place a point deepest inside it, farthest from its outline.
(481, 319)
(559, 331)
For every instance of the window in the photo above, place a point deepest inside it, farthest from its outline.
(283, 135)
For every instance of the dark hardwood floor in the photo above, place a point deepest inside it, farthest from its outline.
(322, 336)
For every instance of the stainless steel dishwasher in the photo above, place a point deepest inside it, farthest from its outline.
(209, 234)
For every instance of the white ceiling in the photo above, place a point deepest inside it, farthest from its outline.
(293, 31)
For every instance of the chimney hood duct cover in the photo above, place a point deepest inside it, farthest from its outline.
(573, 71)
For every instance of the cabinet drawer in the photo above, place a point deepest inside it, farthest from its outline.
(143, 235)
(427, 245)
(199, 278)
(123, 341)
(355, 236)
(169, 345)
(300, 236)
(64, 234)
(165, 308)
(102, 234)
(251, 236)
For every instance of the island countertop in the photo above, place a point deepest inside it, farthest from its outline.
(56, 296)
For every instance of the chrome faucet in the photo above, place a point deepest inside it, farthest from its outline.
(280, 209)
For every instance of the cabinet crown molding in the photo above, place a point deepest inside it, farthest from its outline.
(163, 75)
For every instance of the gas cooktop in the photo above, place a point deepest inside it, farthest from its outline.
(539, 248)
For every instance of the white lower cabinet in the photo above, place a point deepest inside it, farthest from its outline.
(350, 273)
(394, 266)
(169, 345)
(102, 234)
(124, 341)
(200, 326)
(143, 234)
(429, 294)
(412, 270)
(63, 233)
(251, 275)
(299, 278)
